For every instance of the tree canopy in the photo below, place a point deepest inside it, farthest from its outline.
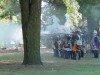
(10, 9)
(86, 7)
(72, 10)
(91, 2)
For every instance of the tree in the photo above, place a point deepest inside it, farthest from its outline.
(72, 10)
(90, 9)
(9, 8)
(31, 11)
(54, 7)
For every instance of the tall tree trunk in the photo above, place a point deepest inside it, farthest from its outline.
(31, 11)
(10, 17)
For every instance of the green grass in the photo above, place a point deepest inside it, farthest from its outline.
(51, 66)
(13, 56)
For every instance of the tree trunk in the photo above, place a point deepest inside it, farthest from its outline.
(31, 11)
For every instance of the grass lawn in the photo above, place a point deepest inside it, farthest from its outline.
(11, 64)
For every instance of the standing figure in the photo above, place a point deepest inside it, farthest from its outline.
(67, 47)
(55, 48)
(96, 44)
(60, 47)
(76, 45)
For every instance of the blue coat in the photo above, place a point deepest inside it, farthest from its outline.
(96, 41)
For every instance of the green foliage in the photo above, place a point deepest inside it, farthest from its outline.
(57, 9)
(58, 2)
(86, 7)
(72, 9)
(91, 10)
(91, 2)
(9, 8)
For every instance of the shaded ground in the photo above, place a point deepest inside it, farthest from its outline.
(11, 62)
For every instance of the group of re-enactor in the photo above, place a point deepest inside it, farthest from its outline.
(73, 46)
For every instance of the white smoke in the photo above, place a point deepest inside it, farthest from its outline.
(9, 31)
(57, 28)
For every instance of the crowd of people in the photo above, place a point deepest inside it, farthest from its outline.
(73, 46)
